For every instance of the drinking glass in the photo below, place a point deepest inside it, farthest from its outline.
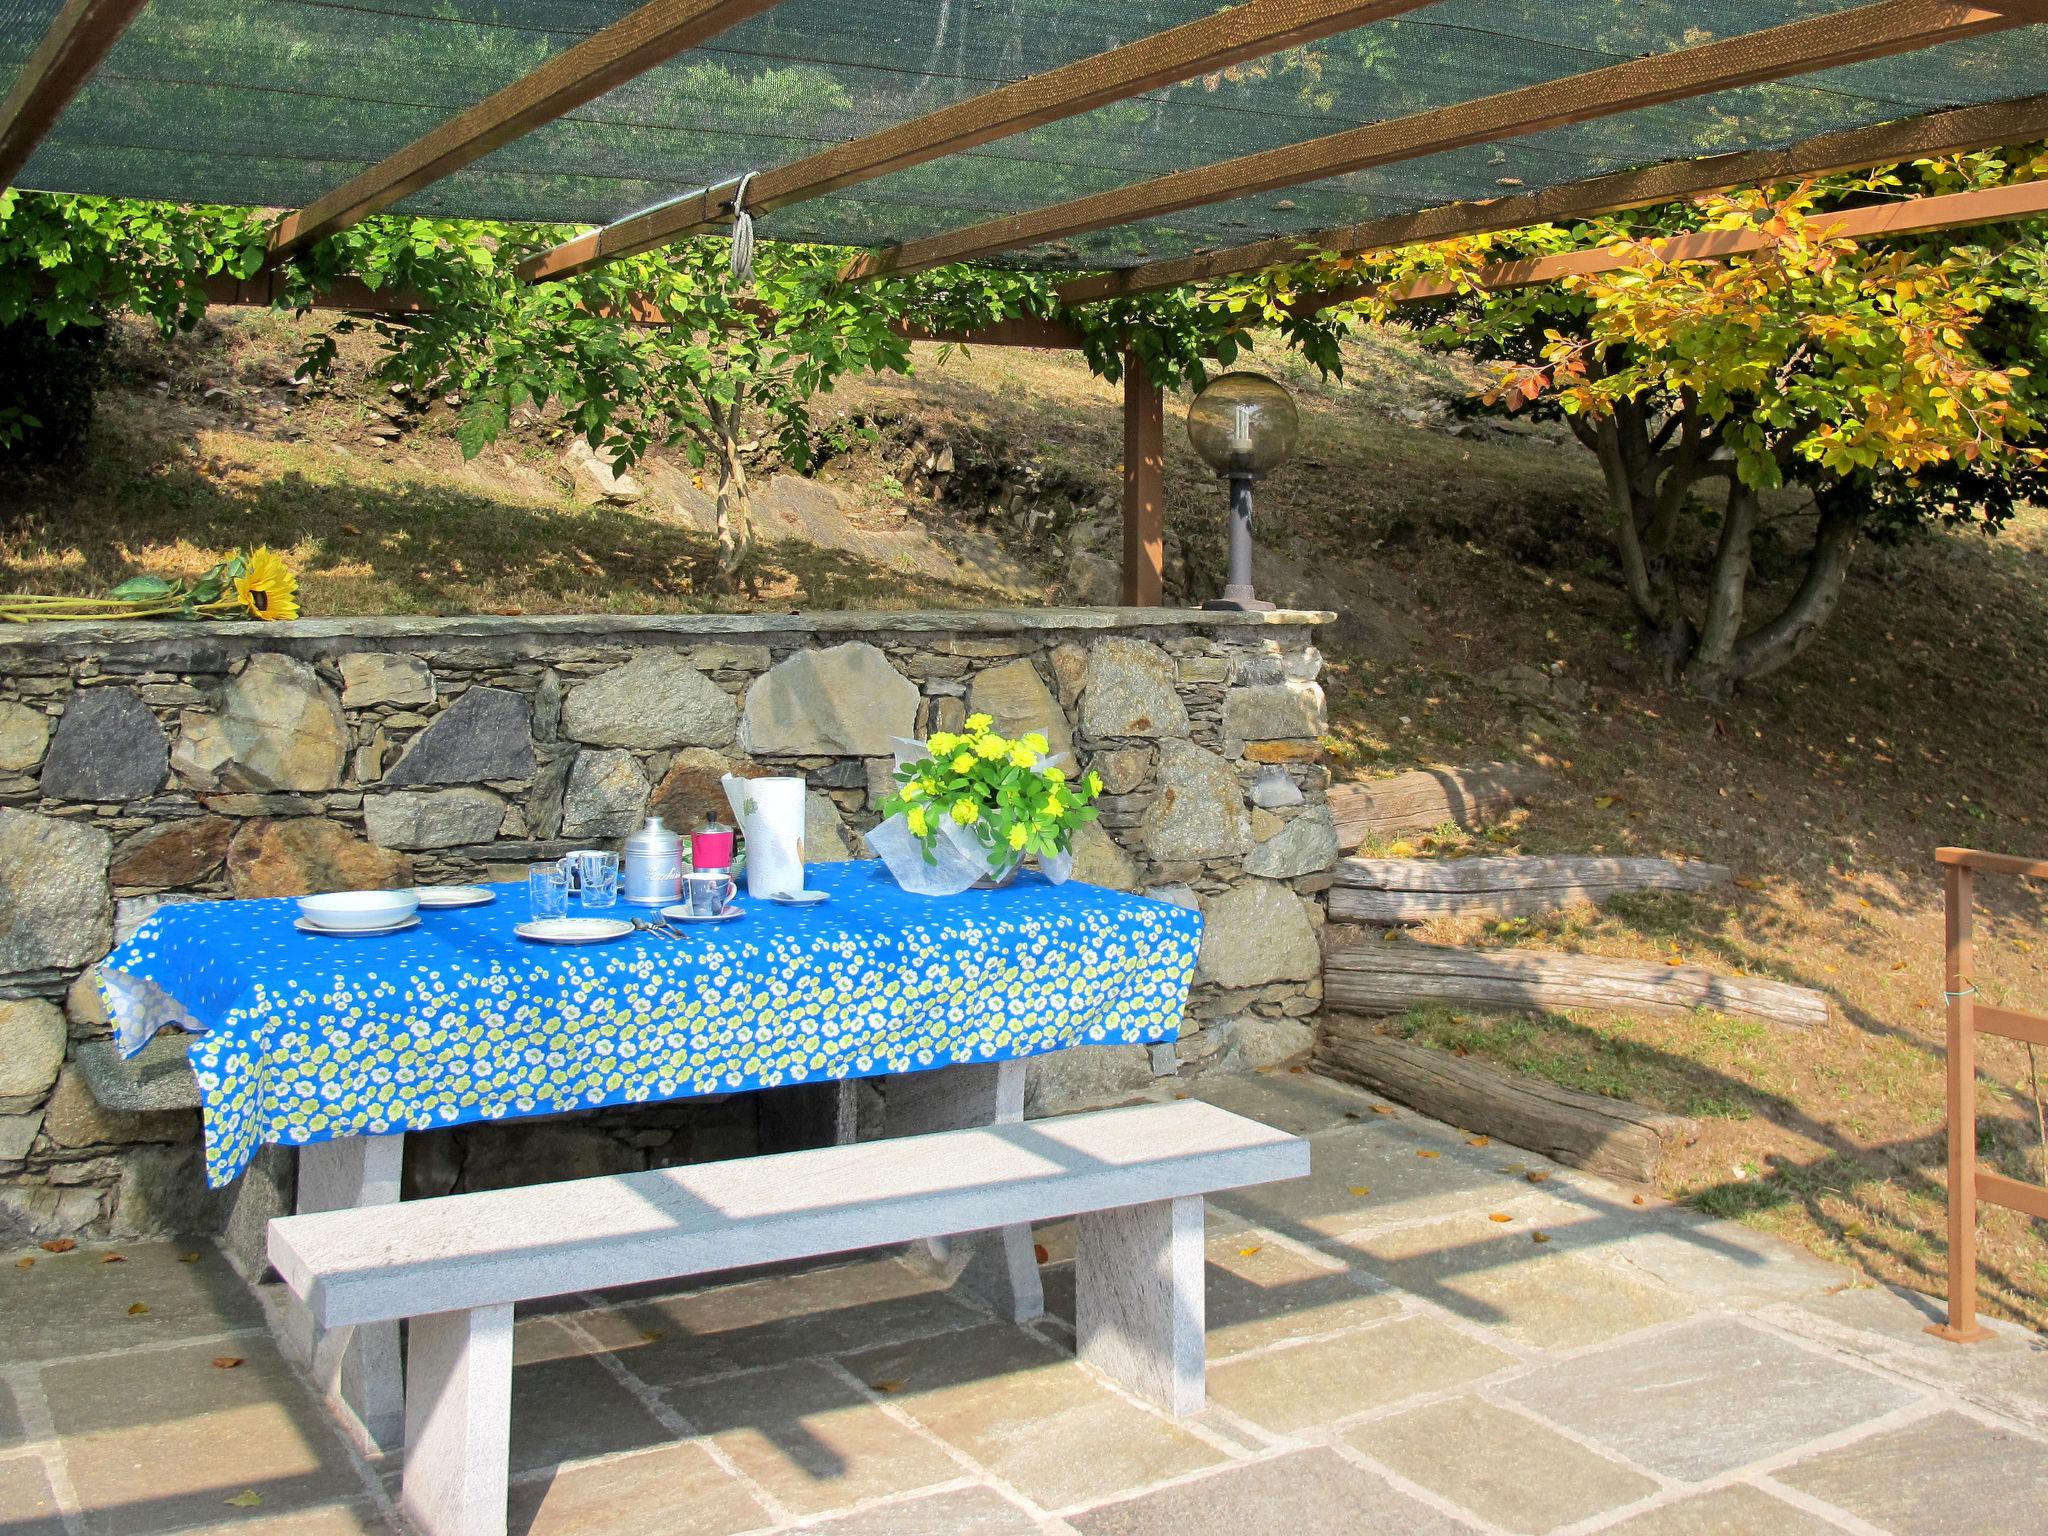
(597, 876)
(547, 890)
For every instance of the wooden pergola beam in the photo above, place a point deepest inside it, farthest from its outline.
(1801, 47)
(1938, 133)
(1908, 216)
(631, 46)
(1166, 58)
(79, 37)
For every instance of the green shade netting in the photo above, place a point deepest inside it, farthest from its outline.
(273, 104)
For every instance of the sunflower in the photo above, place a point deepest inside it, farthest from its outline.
(267, 588)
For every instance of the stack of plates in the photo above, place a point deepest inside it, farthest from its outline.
(358, 914)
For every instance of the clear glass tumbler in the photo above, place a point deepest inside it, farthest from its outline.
(547, 891)
(598, 878)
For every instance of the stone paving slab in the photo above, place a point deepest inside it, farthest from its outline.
(1946, 1475)
(1522, 1475)
(1736, 1510)
(960, 1512)
(1298, 1386)
(1384, 1358)
(1707, 1397)
(160, 1439)
(28, 1507)
(1261, 1291)
(1032, 1415)
(73, 1304)
(812, 1438)
(1311, 1491)
(677, 1487)
(1498, 1273)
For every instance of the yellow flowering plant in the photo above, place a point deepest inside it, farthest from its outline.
(1013, 800)
(257, 584)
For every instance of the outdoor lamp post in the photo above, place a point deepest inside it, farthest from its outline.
(1243, 425)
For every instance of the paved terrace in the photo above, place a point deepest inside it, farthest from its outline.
(1388, 1355)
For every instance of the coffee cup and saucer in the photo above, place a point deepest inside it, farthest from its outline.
(707, 898)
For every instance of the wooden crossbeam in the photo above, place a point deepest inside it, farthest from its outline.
(1197, 48)
(1937, 133)
(628, 47)
(1821, 42)
(80, 36)
(1913, 215)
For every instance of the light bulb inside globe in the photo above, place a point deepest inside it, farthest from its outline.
(1243, 424)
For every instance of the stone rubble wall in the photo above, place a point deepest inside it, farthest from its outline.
(146, 763)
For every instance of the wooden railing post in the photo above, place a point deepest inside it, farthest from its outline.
(1962, 1327)
(1144, 580)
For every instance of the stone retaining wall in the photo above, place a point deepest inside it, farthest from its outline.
(144, 763)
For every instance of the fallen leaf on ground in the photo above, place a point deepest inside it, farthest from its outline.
(188, 1258)
(1539, 1237)
(226, 1362)
(1427, 1152)
(248, 1498)
(1040, 1252)
(1500, 1216)
(1606, 802)
(1383, 1109)
(888, 1386)
(1536, 1176)
(1748, 884)
(60, 1245)
(1478, 1141)
(113, 1258)
(1245, 1253)
(24, 1263)
(138, 1309)
(1639, 1200)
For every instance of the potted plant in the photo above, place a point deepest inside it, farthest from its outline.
(971, 806)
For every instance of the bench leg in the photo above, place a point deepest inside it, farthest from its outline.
(998, 1266)
(1139, 1300)
(458, 1422)
(358, 1369)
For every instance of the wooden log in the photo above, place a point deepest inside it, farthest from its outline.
(1388, 978)
(1430, 797)
(1415, 890)
(1583, 1130)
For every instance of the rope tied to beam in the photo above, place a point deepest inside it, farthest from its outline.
(742, 234)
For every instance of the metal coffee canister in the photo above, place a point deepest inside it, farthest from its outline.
(653, 874)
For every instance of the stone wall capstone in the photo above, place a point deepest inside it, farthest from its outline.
(141, 764)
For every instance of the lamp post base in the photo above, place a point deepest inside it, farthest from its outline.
(1236, 599)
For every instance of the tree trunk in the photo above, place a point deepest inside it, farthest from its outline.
(1770, 646)
(1710, 670)
(735, 505)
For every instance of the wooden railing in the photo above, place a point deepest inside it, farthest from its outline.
(1967, 1019)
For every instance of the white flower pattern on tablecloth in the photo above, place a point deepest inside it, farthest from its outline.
(306, 1038)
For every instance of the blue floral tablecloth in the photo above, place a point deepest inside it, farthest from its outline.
(307, 1038)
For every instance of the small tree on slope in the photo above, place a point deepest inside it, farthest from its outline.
(1892, 384)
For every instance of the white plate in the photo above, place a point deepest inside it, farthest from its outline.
(455, 896)
(684, 915)
(574, 930)
(304, 926)
(798, 898)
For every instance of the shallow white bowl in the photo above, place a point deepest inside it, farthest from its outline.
(353, 910)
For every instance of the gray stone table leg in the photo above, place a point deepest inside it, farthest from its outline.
(998, 1266)
(359, 1369)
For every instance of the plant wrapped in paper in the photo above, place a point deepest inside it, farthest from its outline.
(257, 584)
(972, 805)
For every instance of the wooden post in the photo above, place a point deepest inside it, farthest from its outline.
(1962, 1326)
(1144, 584)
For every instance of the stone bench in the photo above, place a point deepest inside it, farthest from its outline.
(456, 1266)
